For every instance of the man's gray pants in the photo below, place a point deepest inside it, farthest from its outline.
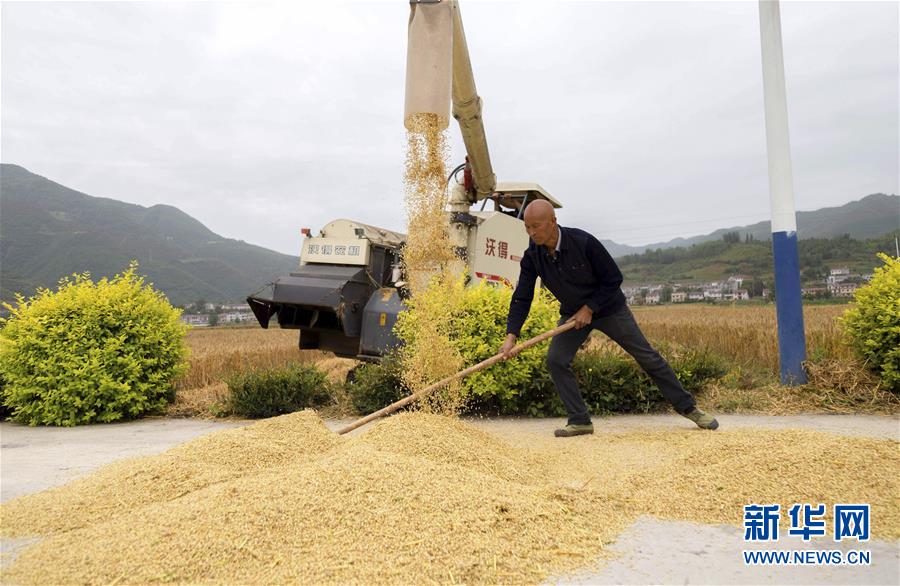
(622, 328)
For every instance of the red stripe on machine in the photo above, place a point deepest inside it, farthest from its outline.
(496, 278)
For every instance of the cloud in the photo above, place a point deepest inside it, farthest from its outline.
(644, 119)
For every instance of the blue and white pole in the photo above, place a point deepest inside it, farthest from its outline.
(789, 307)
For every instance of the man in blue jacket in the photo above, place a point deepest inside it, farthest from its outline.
(581, 274)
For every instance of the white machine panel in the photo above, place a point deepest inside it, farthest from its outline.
(496, 248)
(338, 251)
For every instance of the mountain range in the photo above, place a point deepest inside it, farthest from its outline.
(48, 231)
(869, 217)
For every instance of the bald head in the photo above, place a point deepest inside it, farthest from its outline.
(540, 209)
(540, 223)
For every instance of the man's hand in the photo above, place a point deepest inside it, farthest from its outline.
(508, 345)
(582, 317)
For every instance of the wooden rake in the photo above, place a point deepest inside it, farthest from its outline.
(461, 374)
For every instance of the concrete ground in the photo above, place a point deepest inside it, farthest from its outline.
(651, 551)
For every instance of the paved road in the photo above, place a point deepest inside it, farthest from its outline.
(33, 459)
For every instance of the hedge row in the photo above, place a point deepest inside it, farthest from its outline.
(610, 383)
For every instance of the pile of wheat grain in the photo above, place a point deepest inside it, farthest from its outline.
(420, 498)
(134, 483)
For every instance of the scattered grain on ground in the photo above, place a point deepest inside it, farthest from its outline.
(201, 402)
(422, 498)
(137, 482)
(336, 369)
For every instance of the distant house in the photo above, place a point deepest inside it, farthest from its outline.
(738, 295)
(652, 298)
(734, 282)
(838, 275)
(814, 292)
(679, 296)
(195, 319)
(234, 317)
(843, 289)
(695, 296)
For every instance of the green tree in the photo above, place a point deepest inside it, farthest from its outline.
(755, 287)
(872, 323)
(666, 294)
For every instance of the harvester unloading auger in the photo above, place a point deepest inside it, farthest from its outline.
(348, 289)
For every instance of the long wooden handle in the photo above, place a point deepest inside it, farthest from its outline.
(463, 373)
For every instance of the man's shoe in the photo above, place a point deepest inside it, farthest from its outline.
(703, 420)
(575, 429)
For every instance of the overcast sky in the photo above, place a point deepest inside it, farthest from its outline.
(644, 119)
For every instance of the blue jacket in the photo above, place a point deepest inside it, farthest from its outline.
(583, 273)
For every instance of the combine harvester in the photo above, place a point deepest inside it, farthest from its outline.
(345, 295)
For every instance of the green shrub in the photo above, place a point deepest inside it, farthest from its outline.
(538, 399)
(872, 323)
(271, 392)
(610, 382)
(613, 383)
(91, 352)
(694, 368)
(5, 411)
(476, 324)
(373, 386)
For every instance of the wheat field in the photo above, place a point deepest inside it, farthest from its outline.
(747, 336)
(216, 353)
(744, 333)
